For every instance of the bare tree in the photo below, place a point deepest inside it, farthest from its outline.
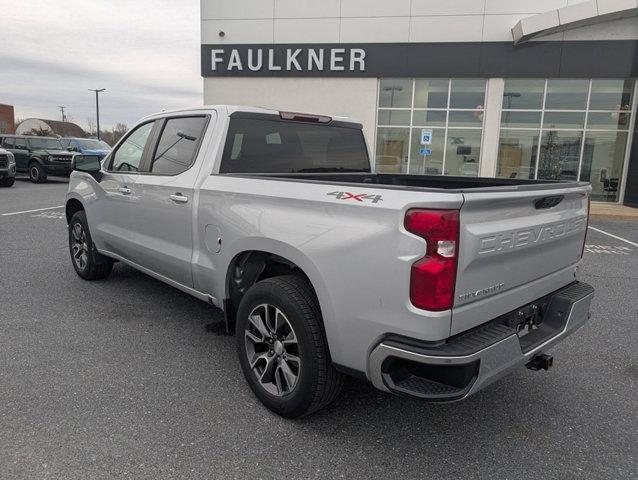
(41, 132)
(119, 130)
(90, 123)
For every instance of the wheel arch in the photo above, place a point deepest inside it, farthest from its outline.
(250, 266)
(72, 206)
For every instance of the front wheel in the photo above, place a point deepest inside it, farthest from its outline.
(7, 182)
(87, 262)
(37, 173)
(282, 348)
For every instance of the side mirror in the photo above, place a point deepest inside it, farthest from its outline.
(88, 164)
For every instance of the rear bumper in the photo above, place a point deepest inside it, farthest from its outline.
(470, 361)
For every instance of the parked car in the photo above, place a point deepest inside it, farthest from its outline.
(38, 156)
(86, 146)
(7, 168)
(426, 286)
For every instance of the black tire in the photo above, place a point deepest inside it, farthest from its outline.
(318, 383)
(7, 182)
(37, 173)
(94, 266)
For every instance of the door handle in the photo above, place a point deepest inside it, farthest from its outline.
(125, 190)
(178, 198)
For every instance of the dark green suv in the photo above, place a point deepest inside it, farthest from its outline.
(38, 156)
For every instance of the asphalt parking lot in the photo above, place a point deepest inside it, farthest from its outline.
(127, 378)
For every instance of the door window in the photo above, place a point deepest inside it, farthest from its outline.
(177, 146)
(7, 143)
(20, 144)
(128, 156)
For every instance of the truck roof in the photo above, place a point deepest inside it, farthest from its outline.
(242, 108)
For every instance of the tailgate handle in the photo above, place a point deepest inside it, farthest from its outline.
(548, 202)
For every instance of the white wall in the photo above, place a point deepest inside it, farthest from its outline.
(351, 97)
(345, 21)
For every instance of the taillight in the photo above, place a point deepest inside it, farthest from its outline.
(582, 251)
(433, 277)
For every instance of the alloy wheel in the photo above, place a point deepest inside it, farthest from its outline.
(272, 349)
(79, 246)
(34, 173)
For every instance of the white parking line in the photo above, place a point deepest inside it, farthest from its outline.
(614, 236)
(29, 211)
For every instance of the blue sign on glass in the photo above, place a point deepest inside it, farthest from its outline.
(426, 136)
(425, 151)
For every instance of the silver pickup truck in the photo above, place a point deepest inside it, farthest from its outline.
(426, 286)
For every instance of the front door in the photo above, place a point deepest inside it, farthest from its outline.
(18, 146)
(112, 221)
(162, 220)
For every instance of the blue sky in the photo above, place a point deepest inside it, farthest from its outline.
(144, 52)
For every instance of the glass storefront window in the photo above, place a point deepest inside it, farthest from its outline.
(429, 118)
(608, 120)
(430, 93)
(611, 94)
(395, 93)
(394, 117)
(464, 118)
(559, 155)
(392, 150)
(432, 163)
(463, 152)
(436, 106)
(467, 94)
(521, 119)
(603, 156)
(564, 94)
(561, 120)
(517, 151)
(563, 112)
(523, 94)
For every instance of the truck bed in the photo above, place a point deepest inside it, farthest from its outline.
(429, 182)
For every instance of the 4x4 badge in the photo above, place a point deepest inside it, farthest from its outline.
(358, 197)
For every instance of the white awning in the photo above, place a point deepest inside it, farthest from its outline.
(573, 16)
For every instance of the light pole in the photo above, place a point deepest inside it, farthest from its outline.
(97, 107)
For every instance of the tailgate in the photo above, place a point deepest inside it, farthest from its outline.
(514, 245)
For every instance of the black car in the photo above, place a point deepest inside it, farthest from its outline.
(7, 168)
(38, 156)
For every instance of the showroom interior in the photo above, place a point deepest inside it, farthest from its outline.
(517, 89)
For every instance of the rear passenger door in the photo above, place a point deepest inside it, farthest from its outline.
(163, 227)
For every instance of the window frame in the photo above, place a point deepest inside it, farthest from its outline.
(145, 152)
(146, 164)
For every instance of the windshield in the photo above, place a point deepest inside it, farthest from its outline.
(92, 144)
(45, 143)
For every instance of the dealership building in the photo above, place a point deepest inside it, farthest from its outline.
(508, 88)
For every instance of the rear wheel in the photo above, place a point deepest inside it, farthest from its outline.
(87, 262)
(282, 348)
(7, 182)
(37, 173)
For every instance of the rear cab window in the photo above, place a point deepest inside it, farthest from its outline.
(266, 143)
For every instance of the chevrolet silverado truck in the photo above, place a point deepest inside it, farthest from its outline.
(7, 168)
(38, 156)
(427, 286)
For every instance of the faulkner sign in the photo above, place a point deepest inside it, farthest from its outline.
(456, 59)
(282, 59)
